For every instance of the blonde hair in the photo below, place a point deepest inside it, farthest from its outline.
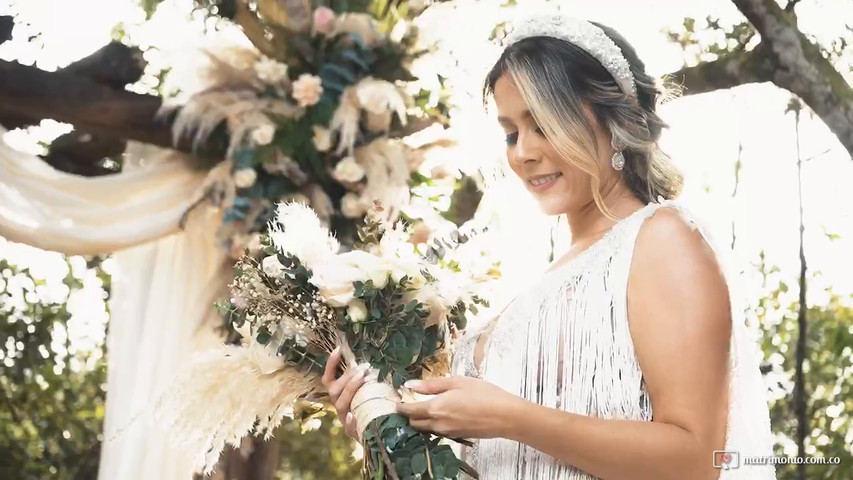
(559, 82)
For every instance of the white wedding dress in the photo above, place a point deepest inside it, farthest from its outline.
(565, 343)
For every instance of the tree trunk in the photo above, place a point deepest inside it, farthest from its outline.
(799, 376)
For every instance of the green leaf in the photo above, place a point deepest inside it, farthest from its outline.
(263, 337)
(336, 71)
(419, 463)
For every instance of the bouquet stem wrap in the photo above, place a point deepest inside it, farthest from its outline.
(373, 400)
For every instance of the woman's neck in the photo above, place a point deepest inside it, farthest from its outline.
(589, 223)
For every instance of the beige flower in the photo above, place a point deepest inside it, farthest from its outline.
(322, 138)
(307, 90)
(270, 71)
(263, 134)
(348, 171)
(245, 177)
(361, 24)
(324, 20)
(357, 311)
(352, 206)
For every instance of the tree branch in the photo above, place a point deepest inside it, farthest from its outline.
(91, 107)
(115, 64)
(729, 71)
(801, 68)
(788, 59)
(7, 23)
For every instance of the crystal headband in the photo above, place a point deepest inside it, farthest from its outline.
(584, 35)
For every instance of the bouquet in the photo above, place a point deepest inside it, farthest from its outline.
(382, 303)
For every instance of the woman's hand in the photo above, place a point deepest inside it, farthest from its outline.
(341, 390)
(463, 407)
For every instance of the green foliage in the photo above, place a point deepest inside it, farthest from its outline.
(320, 453)
(53, 397)
(393, 336)
(828, 373)
(414, 454)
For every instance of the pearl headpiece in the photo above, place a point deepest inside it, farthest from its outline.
(586, 36)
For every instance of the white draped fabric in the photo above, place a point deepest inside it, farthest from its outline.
(162, 290)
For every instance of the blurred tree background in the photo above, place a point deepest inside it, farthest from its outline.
(53, 390)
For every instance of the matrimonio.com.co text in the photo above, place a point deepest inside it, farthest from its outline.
(728, 459)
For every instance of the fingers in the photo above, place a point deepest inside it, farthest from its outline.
(331, 368)
(356, 380)
(433, 386)
(338, 386)
(349, 426)
(414, 410)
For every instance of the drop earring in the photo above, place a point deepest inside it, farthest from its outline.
(618, 159)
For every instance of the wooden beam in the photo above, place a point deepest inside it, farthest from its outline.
(92, 107)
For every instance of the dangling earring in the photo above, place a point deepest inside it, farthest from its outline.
(618, 159)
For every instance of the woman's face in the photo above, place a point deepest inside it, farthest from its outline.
(557, 186)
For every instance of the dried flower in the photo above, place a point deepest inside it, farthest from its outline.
(263, 134)
(300, 233)
(245, 177)
(307, 90)
(322, 138)
(348, 171)
(361, 24)
(270, 71)
(357, 311)
(324, 20)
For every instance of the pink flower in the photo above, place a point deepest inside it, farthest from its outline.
(324, 20)
(307, 90)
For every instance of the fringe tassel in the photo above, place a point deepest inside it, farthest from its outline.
(566, 344)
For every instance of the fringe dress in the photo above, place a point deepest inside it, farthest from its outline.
(565, 343)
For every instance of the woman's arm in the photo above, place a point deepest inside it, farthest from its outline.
(680, 324)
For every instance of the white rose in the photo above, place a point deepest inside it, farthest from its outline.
(245, 177)
(357, 311)
(417, 280)
(397, 274)
(322, 139)
(352, 206)
(272, 267)
(379, 277)
(263, 134)
(335, 278)
(348, 171)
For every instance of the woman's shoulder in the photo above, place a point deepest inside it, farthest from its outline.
(674, 253)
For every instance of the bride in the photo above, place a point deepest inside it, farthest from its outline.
(626, 359)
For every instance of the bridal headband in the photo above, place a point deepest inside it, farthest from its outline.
(584, 35)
